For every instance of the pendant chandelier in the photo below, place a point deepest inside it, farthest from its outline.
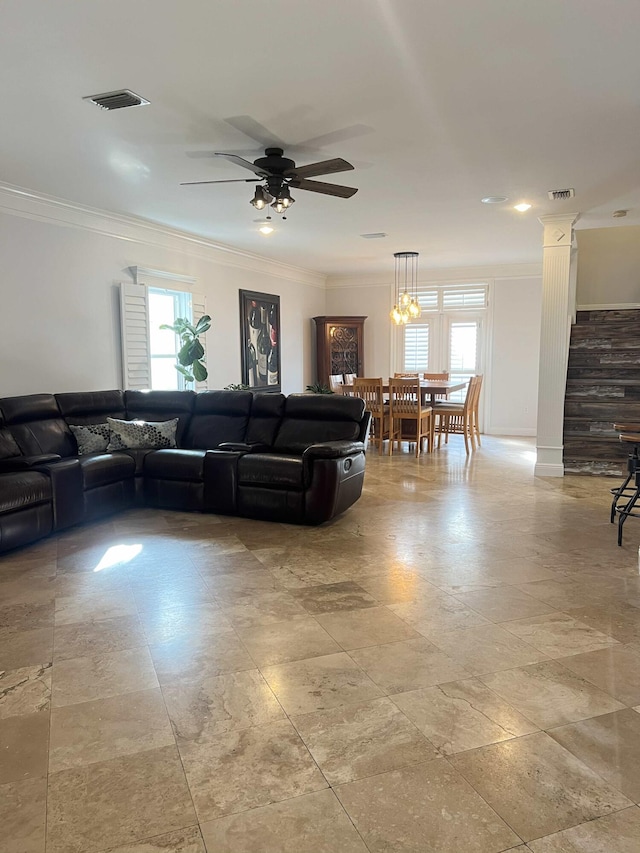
(406, 306)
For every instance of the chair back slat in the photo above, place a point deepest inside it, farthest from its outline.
(443, 376)
(369, 390)
(404, 397)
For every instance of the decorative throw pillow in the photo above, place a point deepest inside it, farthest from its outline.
(134, 435)
(91, 438)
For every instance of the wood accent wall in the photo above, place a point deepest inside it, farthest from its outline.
(603, 386)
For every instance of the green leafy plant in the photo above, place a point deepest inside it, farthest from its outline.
(191, 354)
(236, 386)
(319, 388)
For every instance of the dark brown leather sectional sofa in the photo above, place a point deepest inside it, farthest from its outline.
(293, 459)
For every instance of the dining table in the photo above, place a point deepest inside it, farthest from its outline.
(430, 388)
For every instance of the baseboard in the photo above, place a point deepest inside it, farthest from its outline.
(547, 469)
(521, 431)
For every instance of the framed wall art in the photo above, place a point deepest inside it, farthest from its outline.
(260, 340)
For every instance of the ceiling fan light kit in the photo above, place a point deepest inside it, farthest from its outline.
(277, 173)
(406, 305)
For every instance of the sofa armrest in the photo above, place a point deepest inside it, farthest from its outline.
(333, 450)
(27, 463)
(242, 447)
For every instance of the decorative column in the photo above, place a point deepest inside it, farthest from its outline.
(558, 294)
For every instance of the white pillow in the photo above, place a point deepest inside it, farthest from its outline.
(135, 435)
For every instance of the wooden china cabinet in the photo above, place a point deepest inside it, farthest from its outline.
(339, 346)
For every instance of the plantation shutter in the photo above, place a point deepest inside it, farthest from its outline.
(464, 297)
(416, 347)
(134, 323)
(199, 308)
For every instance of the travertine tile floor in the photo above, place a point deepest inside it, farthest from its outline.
(452, 666)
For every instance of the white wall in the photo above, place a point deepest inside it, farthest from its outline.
(59, 320)
(510, 395)
(608, 266)
(372, 302)
(511, 401)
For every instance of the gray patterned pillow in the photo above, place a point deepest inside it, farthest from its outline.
(134, 435)
(91, 438)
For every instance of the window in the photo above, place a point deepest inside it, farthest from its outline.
(149, 353)
(448, 336)
(165, 306)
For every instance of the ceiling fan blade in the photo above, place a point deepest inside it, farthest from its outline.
(240, 161)
(229, 181)
(326, 167)
(256, 131)
(325, 189)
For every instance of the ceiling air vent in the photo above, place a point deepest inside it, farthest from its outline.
(559, 195)
(376, 235)
(117, 100)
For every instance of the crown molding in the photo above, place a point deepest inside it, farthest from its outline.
(29, 204)
(461, 275)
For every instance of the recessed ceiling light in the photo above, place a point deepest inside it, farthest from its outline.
(265, 229)
(522, 206)
(494, 199)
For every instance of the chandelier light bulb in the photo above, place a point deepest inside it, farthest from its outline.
(415, 310)
(396, 316)
(405, 298)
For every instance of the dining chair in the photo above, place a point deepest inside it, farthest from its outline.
(406, 375)
(405, 408)
(371, 391)
(444, 376)
(336, 381)
(349, 378)
(461, 418)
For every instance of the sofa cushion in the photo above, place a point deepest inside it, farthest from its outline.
(90, 438)
(266, 415)
(91, 407)
(103, 468)
(315, 418)
(23, 489)
(276, 470)
(218, 416)
(138, 457)
(175, 464)
(135, 435)
(161, 406)
(8, 446)
(37, 425)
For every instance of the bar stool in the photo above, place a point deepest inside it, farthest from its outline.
(625, 496)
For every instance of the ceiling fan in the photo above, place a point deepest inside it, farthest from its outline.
(276, 174)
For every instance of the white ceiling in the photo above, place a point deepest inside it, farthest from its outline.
(436, 103)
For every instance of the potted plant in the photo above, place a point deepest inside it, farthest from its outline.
(191, 354)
